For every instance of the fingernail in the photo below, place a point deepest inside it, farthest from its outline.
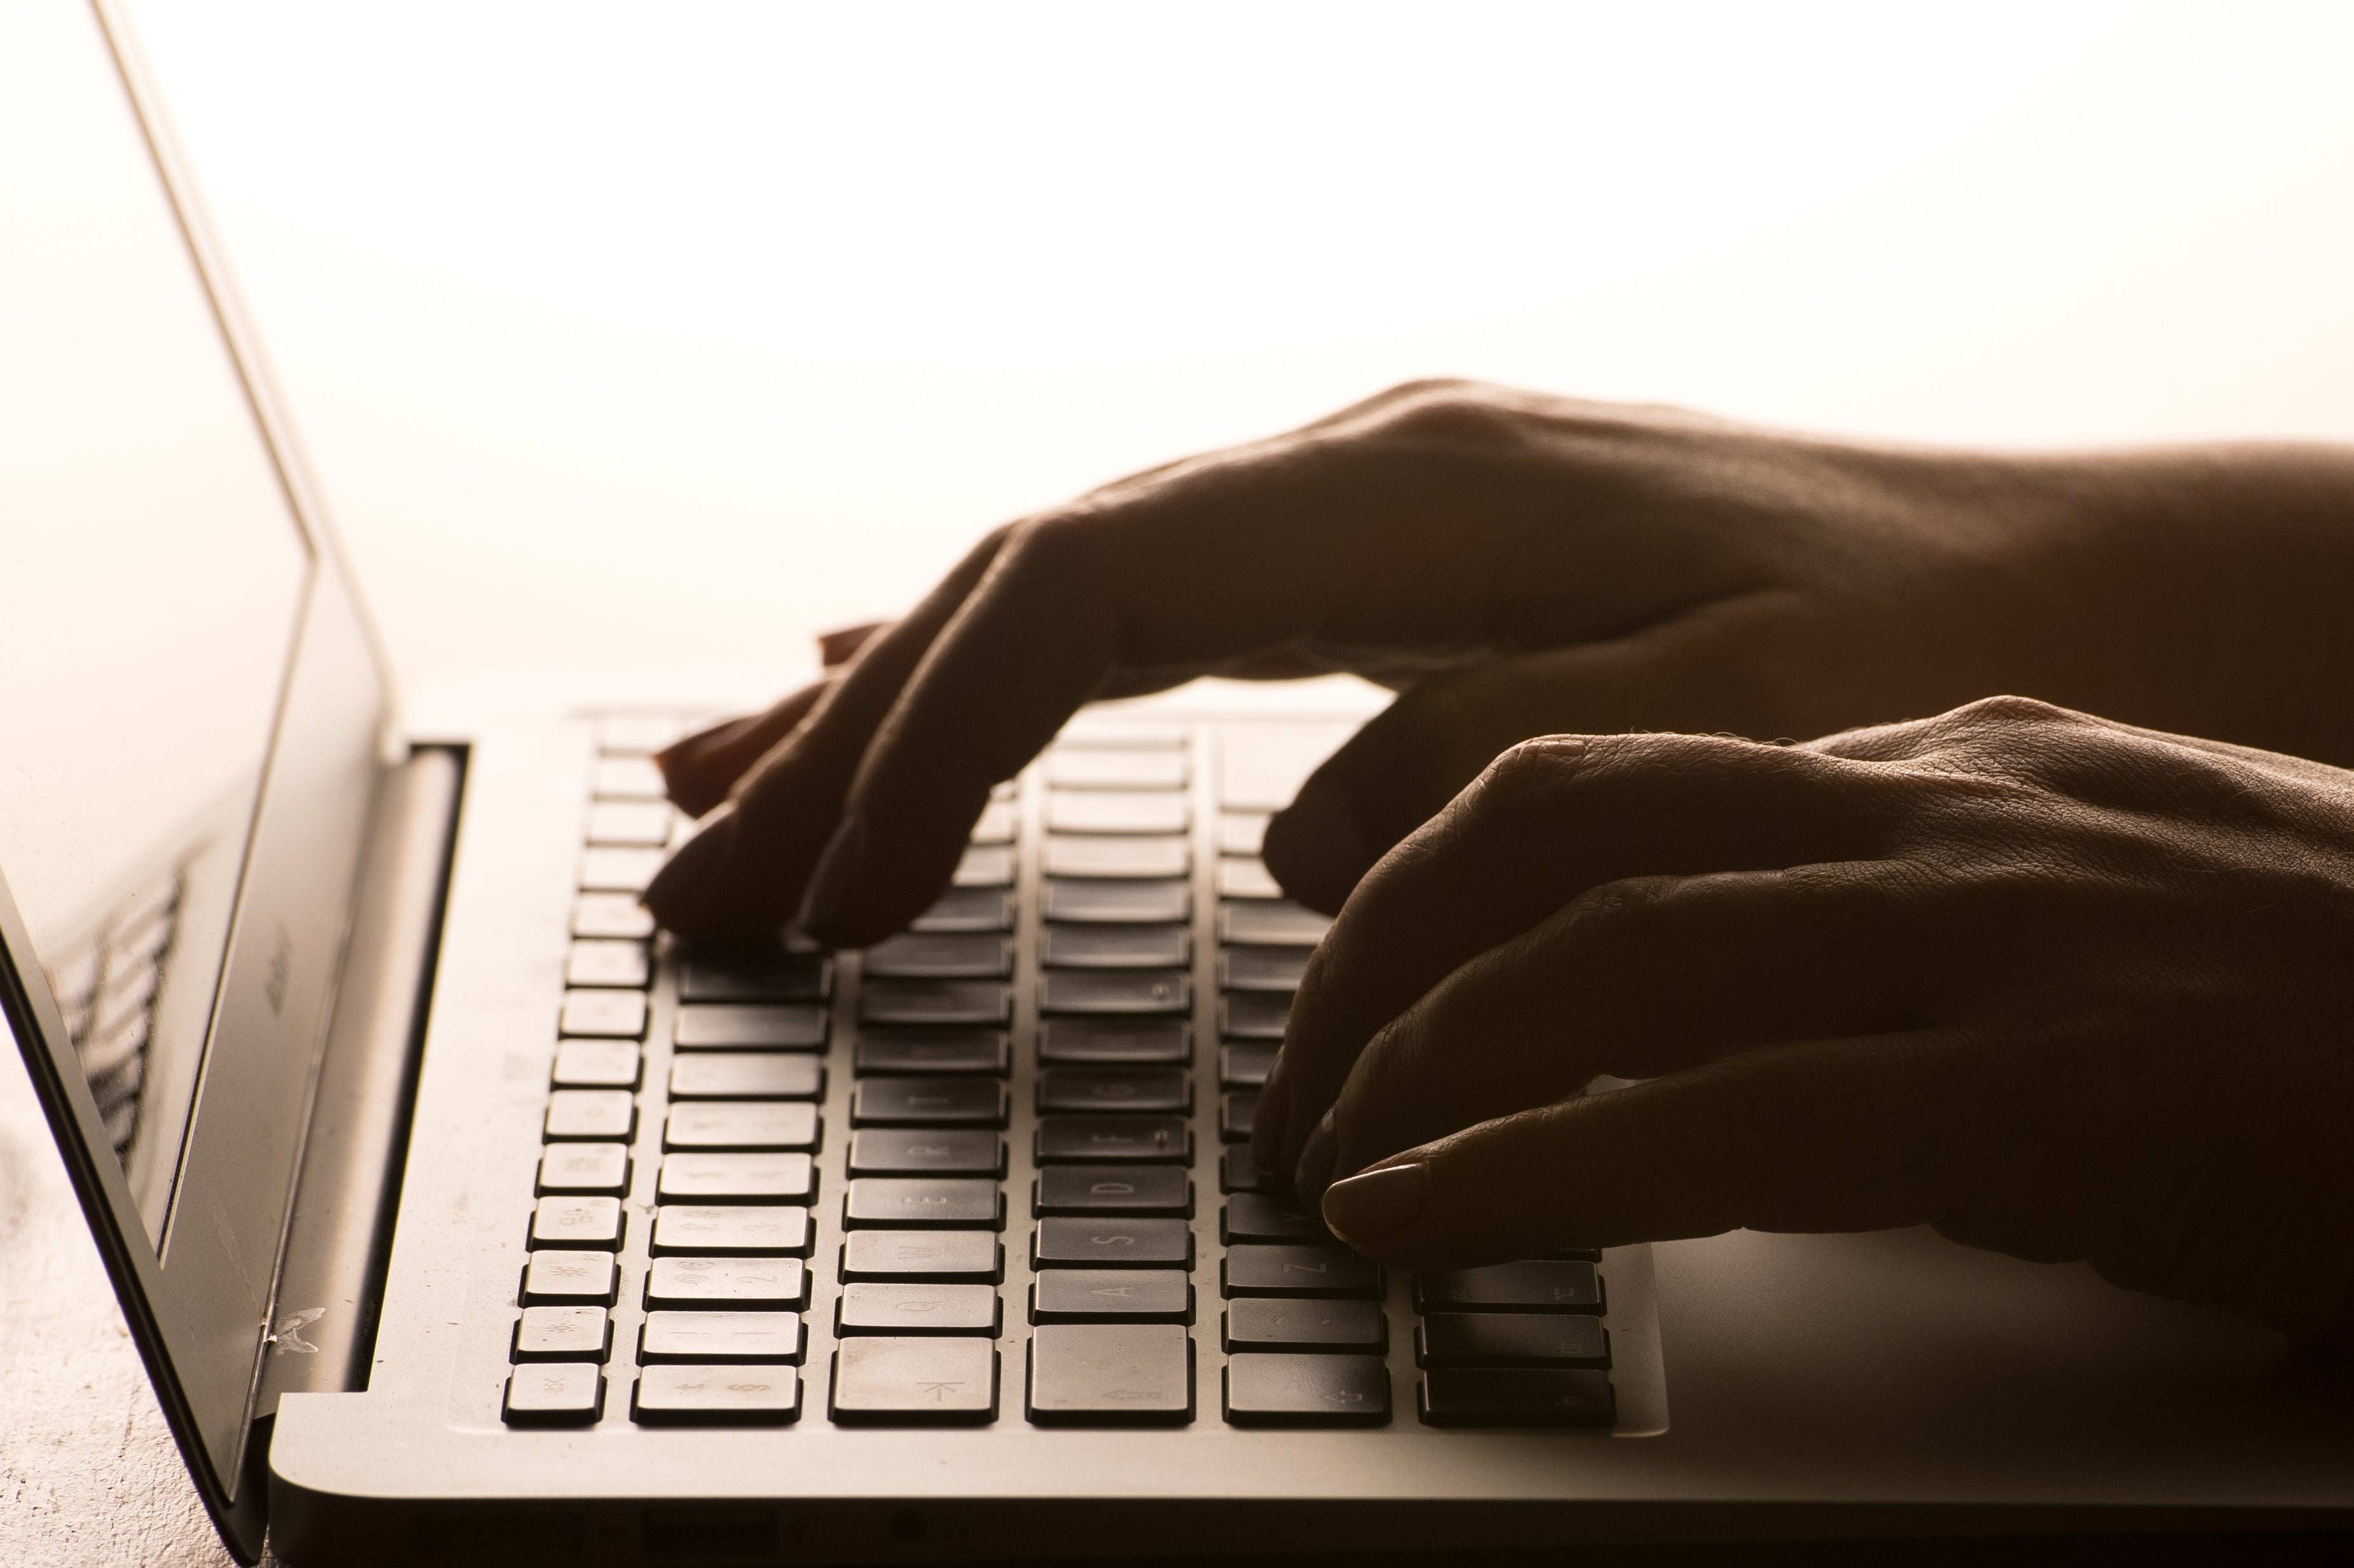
(1316, 1156)
(1315, 847)
(835, 879)
(688, 875)
(1367, 1207)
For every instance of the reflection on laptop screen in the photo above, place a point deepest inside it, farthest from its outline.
(151, 571)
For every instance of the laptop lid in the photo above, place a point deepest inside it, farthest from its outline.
(190, 712)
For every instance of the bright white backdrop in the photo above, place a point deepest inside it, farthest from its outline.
(677, 331)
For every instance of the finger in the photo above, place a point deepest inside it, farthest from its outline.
(700, 769)
(1857, 1134)
(1229, 557)
(1641, 978)
(1687, 674)
(745, 873)
(1547, 822)
(835, 648)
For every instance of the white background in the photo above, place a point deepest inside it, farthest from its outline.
(676, 332)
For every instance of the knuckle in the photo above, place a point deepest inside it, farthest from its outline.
(1454, 414)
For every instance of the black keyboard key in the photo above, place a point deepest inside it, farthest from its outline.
(968, 909)
(1247, 876)
(570, 1279)
(597, 1065)
(1139, 1374)
(580, 1221)
(928, 1102)
(1533, 1396)
(1163, 1090)
(970, 1258)
(1246, 1065)
(1256, 1217)
(1116, 947)
(1111, 1296)
(1262, 969)
(984, 1002)
(1121, 992)
(741, 1125)
(869, 1307)
(599, 1115)
(1238, 1172)
(1237, 1114)
(1104, 1139)
(1115, 1042)
(1267, 923)
(888, 1050)
(744, 1027)
(738, 1282)
(1077, 768)
(1265, 1269)
(1087, 901)
(737, 1178)
(1290, 1323)
(716, 1396)
(875, 1202)
(612, 915)
(1511, 1339)
(926, 1151)
(755, 974)
(732, 1230)
(1100, 855)
(1242, 832)
(1537, 1285)
(1084, 1243)
(984, 866)
(1122, 811)
(747, 1076)
(605, 1015)
(941, 955)
(764, 973)
(1164, 1189)
(559, 1393)
(720, 1337)
(618, 870)
(584, 1168)
(906, 1382)
(1252, 1015)
(563, 1334)
(1279, 1389)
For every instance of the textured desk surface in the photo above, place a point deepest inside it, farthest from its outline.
(88, 1472)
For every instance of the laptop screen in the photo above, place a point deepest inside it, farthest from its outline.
(150, 577)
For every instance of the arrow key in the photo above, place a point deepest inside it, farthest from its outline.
(1307, 1391)
(1104, 1375)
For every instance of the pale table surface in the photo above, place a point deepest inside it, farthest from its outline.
(88, 1472)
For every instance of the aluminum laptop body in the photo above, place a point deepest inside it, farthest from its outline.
(293, 976)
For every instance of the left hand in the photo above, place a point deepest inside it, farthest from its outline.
(2059, 987)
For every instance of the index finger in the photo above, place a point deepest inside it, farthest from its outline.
(1549, 821)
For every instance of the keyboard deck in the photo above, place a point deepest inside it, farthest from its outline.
(994, 1169)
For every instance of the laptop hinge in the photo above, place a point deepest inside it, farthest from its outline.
(330, 1285)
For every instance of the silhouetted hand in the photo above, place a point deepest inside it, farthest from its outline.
(1522, 564)
(2060, 987)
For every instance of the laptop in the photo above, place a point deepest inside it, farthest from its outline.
(460, 1216)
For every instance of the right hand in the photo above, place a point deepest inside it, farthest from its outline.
(1517, 565)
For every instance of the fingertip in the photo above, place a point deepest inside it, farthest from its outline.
(1317, 848)
(684, 895)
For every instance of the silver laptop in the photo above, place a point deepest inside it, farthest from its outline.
(458, 1216)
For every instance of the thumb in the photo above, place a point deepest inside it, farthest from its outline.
(1860, 1134)
(1406, 763)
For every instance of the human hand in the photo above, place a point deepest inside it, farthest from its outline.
(1519, 565)
(2060, 987)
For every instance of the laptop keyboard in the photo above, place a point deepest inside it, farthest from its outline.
(994, 1169)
